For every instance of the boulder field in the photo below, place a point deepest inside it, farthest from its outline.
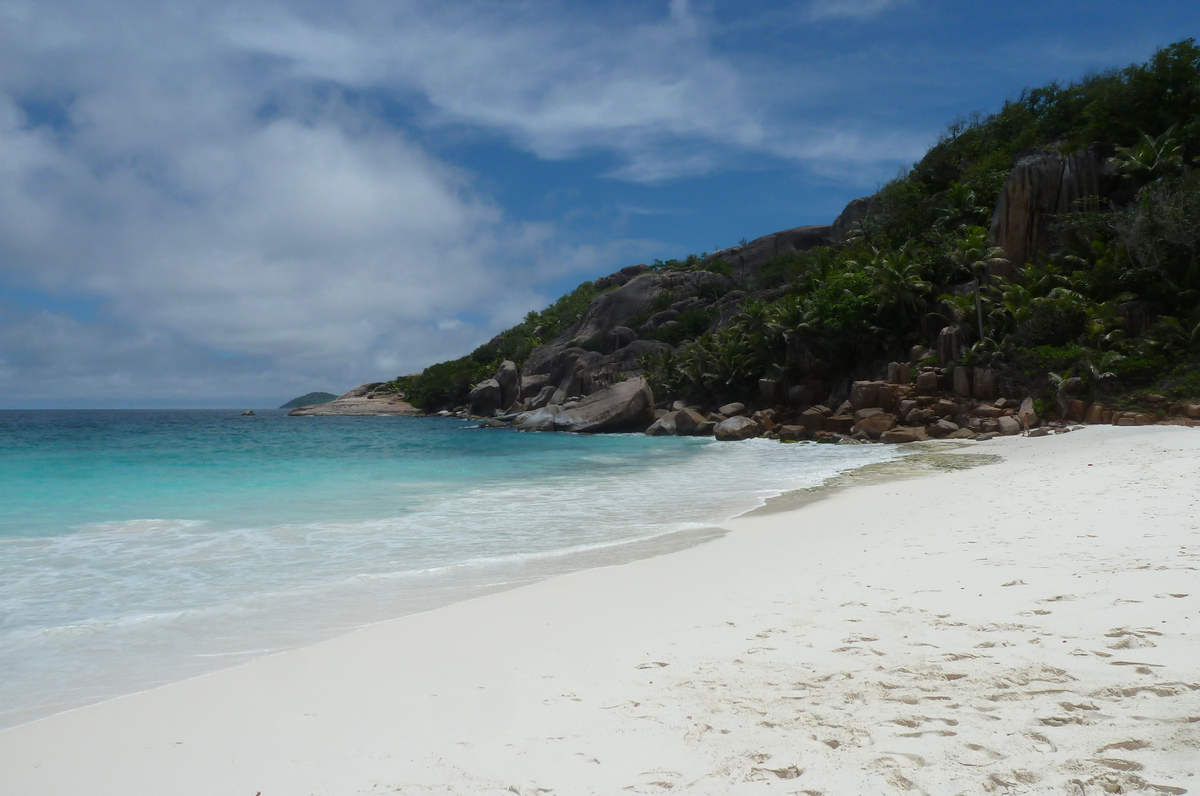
(913, 404)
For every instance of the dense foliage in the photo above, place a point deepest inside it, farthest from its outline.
(1116, 304)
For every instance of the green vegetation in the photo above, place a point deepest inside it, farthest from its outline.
(1111, 306)
(309, 399)
(449, 383)
(1117, 304)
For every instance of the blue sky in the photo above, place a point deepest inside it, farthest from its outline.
(229, 204)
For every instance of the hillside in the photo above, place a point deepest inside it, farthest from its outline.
(1054, 244)
(310, 399)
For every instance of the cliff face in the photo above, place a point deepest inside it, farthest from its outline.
(747, 260)
(1043, 186)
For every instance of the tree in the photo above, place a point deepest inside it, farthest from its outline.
(974, 254)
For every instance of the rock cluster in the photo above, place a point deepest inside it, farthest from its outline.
(912, 404)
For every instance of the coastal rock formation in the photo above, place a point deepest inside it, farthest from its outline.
(509, 379)
(485, 398)
(849, 222)
(747, 260)
(664, 426)
(573, 361)
(1042, 186)
(737, 428)
(538, 420)
(620, 277)
(688, 421)
(372, 398)
(625, 406)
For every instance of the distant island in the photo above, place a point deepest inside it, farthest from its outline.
(311, 399)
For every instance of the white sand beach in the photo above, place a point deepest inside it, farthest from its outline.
(1028, 626)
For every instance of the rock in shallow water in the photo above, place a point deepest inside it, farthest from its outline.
(737, 428)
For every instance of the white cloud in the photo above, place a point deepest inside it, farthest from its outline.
(857, 9)
(219, 183)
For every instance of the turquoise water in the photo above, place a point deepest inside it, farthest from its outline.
(143, 547)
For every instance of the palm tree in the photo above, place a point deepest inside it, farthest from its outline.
(899, 283)
(975, 254)
(1150, 157)
(959, 207)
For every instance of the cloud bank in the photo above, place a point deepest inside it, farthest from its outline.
(200, 202)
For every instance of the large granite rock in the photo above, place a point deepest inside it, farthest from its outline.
(873, 422)
(864, 394)
(984, 385)
(952, 341)
(927, 383)
(572, 363)
(532, 385)
(1009, 426)
(749, 259)
(849, 223)
(663, 426)
(484, 399)
(620, 277)
(542, 399)
(903, 434)
(618, 338)
(1042, 186)
(625, 406)
(509, 379)
(738, 428)
(537, 420)
(687, 421)
(732, 409)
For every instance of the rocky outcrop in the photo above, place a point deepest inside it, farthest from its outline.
(747, 260)
(573, 362)
(509, 379)
(372, 398)
(737, 428)
(1043, 186)
(620, 277)
(625, 406)
(484, 400)
(851, 219)
(664, 426)
(538, 420)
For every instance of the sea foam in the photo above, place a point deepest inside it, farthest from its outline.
(144, 548)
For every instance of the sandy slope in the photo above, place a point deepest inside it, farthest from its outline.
(1024, 627)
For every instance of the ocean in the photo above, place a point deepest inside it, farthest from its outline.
(139, 548)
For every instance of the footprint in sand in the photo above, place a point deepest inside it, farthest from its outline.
(1118, 764)
(1128, 746)
(1041, 743)
(761, 774)
(978, 755)
(654, 782)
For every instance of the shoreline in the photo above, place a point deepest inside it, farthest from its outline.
(702, 669)
(447, 585)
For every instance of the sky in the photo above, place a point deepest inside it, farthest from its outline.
(219, 204)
